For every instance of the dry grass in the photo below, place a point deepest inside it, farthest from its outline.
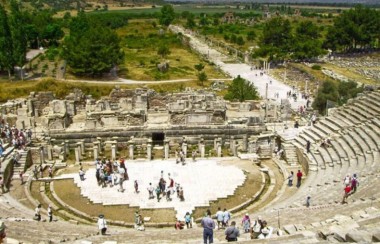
(70, 194)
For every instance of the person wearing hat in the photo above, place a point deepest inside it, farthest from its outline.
(102, 224)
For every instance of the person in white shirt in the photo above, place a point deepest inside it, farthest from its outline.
(102, 224)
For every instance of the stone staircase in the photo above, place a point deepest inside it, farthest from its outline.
(22, 163)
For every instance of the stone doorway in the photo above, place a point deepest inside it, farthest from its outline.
(158, 138)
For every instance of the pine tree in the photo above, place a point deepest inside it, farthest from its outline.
(19, 37)
(6, 45)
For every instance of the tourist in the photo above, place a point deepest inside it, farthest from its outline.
(41, 171)
(266, 231)
(188, 221)
(150, 190)
(50, 171)
(181, 195)
(296, 124)
(50, 213)
(168, 192)
(347, 191)
(226, 218)
(158, 192)
(256, 228)
(21, 175)
(347, 180)
(246, 222)
(37, 212)
(193, 155)
(290, 178)
(308, 199)
(299, 178)
(35, 172)
(140, 223)
(121, 179)
(179, 225)
(2, 232)
(2, 185)
(308, 144)
(81, 174)
(232, 232)
(136, 187)
(313, 119)
(219, 217)
(177, 187)
(208, 228)
(102, 224)
(136, 219)
(354, 183)
(29, 134)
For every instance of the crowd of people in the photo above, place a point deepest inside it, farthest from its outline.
(257, 229)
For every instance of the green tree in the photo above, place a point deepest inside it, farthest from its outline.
(94, 51)
(199, 67)
(6, 45)
(163, 51)
(241, 89)
(306, 41)
(190, 22)
(276, 39)
(251, 35)
(167, 15)
(52, 33)
(202, 77)
(17, 24)
(240, 41)
(328, 91)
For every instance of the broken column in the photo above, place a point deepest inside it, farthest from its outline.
(67, 147)
(77, 155)
(149, 150)
(96, 152)
(82, 147)
(218, 148)
(114, 149)
(184, 149)
(79, 148)
(131, 148)
(245, 143)
(166, 148)
(50, 152)
(202, 149)
(42, 155)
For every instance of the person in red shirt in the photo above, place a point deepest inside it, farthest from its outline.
(347, 191)
(299, 178)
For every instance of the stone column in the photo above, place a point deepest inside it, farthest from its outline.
(219, 149)
(99, 139)
(97, 144)
(149, 151)
(245, 143)
(67, 147)
(77, 155)
(79, 147)
(113, 152)
(96, 152)
(131, 148)
(82, 147)
(50, 152)
(232, 144)
(42, 155)
(184, 149)
(63, 154)
(202, 150)
(166, 148)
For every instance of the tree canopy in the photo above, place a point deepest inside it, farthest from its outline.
(356, 28)
(241, 89)
(6, 44)
(167, 15)
(337, 92)
(91, 49)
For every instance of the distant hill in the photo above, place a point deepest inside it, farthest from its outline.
(350, 2)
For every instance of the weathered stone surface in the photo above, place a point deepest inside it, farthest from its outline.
(358, 236)
(290, 229)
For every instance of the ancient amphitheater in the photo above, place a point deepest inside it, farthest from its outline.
(147, 128)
